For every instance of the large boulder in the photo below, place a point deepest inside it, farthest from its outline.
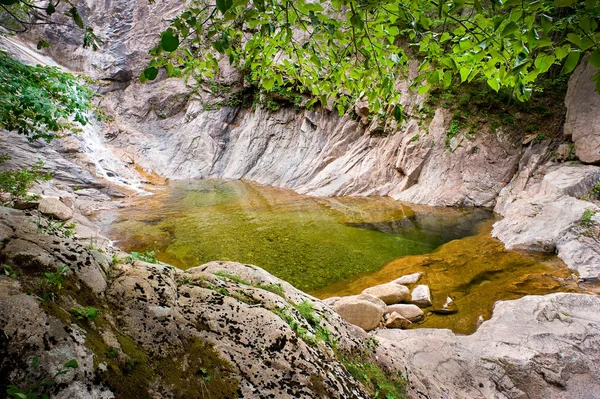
(389, 293)
(582, 123)
(534, 347)
(361, 310)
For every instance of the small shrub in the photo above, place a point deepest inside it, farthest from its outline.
(17, 183)
(414, 138)
(586, 218)
(88, 313)
(148, 257)
(55, 227)
(53, 282)
(8, 271)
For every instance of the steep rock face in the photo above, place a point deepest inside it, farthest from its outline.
(533, 347)
(165, 128)
(582, 123)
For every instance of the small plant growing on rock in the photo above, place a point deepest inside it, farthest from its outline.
(39, 390)
(55, 227)
(148, 257)
(16, 183)
(8, 271)
(53, 282)
(586, 218)
(88, 313)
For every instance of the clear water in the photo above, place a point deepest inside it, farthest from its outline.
(309, 242)
(337, 246)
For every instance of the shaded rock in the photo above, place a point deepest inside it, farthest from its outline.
(582, 122)
(448, 307)
(421, 296)
(361, 310)
(408, 279)
(408, 311)
(394, 320)
(389, 293)
(54, 208)
(533, 347)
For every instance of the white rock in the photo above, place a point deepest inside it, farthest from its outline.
(421, 296)
(408, 279)
(389, 293)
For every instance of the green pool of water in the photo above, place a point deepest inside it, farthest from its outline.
(309, 242)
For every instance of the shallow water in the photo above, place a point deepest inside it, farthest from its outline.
(336, 246)
(310, 242)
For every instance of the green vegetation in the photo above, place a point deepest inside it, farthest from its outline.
(305, 310)
(42, 389)
(356, 49)
(8, 271)
(54, 282)
(17, 183)
(55, 227)
(41, 102)
(88, 313)
(586, 218)
(147, 256)
(379, 383)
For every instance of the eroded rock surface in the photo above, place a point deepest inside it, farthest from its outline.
(533, 347)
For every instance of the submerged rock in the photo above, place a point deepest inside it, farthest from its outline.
(448, 307)
(389, 293)
(421, 296)
(364, 311)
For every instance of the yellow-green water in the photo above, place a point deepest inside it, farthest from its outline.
(336, 246)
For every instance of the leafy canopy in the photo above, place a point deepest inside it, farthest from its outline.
(342, 50)
(40, 102)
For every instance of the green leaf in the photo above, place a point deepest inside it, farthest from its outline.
(76, 17)
(35, 361)
(150, 73)
(571, 62)
(398, 112)
(224, 5)
(260, 5)
(9, 2)
(168, 41)
(72, 364)
(423, 89)
(494, 83)
(595, 58)
(357, 21)
(268, 83)
(510, 28)
(543, 62)
(50, 9)
(464, 73)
